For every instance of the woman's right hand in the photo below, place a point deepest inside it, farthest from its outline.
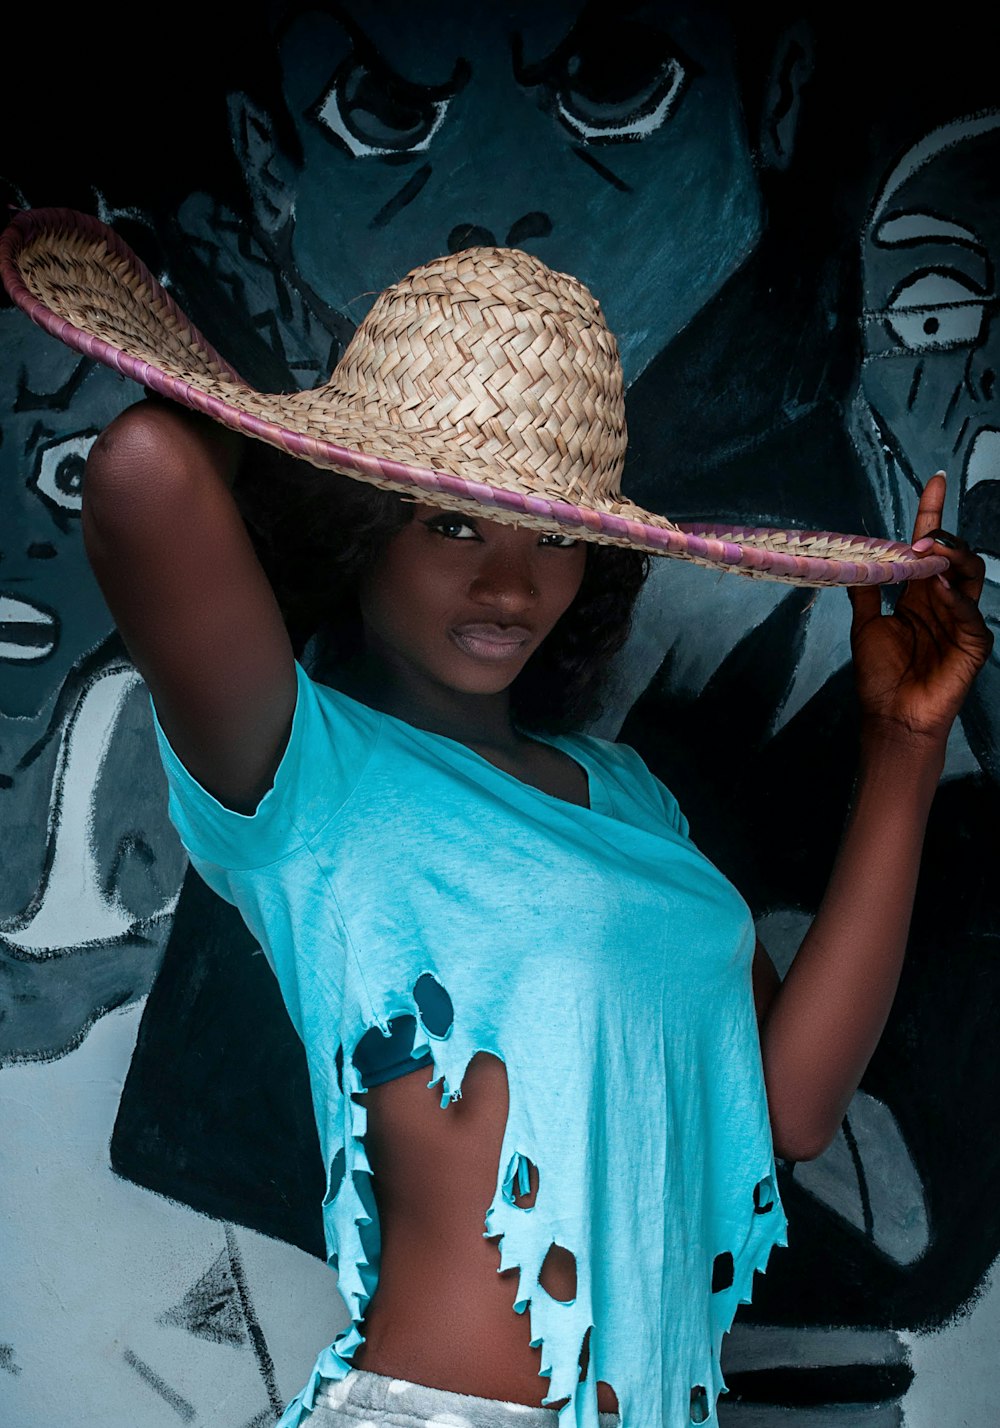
(187, 592)
(915, 667)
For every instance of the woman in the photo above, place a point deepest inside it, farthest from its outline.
(428, 863)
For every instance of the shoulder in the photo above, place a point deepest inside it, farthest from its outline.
(325, 756)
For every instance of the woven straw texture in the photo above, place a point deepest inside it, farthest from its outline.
(482, 382)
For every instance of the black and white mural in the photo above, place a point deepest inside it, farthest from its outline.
(791, 216)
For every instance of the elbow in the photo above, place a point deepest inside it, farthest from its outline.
(123, 467)
(805, 1138)
(797, 1148)
(806, 1105)
(154, 453)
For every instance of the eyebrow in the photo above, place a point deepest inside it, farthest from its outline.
(917, 227)
(371, 50)
(58, 399)
(540, 34)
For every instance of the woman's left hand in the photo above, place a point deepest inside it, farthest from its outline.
(914, 667)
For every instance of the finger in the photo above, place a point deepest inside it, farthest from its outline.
(961, 612)
(931, 508)
(948, 592)
(929, 605)
(866, 603)
(967, 569)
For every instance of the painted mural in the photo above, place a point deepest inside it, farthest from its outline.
(790, 217)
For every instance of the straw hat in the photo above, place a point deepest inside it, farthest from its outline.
(482, 382)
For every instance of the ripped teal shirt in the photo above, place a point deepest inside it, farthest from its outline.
(593, 950)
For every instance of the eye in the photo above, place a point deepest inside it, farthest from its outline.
(936, 311)
(611, 80)
(58, 474)
(558, 541)
(455, 527)
(371, 111)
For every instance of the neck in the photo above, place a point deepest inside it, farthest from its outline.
(383, 680)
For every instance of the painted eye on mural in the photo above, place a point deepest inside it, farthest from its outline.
(372, 112)
(609, 82)
(936, 311)
(58, 474)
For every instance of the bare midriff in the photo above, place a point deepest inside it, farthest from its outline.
(442, 1314)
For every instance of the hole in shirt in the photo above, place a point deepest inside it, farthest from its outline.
(585, 1353)
(337, 1167)
(338, 1062)
(523, 1188)
(382, 1058)
(722, 1272)
(763, 1196)
(558, 1274)
(434, 1005)
(699, 1404)
(607, 1398)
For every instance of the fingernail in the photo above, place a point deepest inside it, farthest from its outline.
(945, 581)
(924, 543)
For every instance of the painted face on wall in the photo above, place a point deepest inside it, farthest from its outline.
(53, 403)
(606, 138)
(932, 354)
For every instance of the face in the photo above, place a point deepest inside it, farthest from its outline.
(608, 139)
(462, 603)
(932, 340)
(53, 404)
(932, 357)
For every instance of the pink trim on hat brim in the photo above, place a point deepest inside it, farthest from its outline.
(712, 544)
(26, 224)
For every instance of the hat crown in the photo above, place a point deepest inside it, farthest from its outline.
(499, 357)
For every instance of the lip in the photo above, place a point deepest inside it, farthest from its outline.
(28, 632)
(489, 642)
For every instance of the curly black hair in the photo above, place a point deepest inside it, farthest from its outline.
(315, 533)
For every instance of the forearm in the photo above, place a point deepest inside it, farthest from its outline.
(826, 1018)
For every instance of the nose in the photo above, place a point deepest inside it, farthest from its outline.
(470, 235)
(474, 235)
(505, 579)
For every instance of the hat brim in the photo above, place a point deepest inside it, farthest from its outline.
(59, 266)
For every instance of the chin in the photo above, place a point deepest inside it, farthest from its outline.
(484, 680)
(484, 685)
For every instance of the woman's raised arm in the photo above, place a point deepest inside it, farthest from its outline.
(913, 670)
(195, 609)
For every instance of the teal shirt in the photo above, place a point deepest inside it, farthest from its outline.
(596, 952)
